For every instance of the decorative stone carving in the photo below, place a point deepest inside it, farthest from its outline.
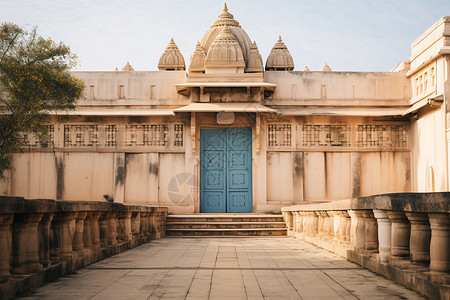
(440, 242)
(127, 67)
(419, 243)
(325, 68)
(306, 69)
(197, 63)
(279, 58)
(254, 61)
(384, 234)
(225, 52)
(370, 231)
(279, 135)
(400, 233)
(171, 59)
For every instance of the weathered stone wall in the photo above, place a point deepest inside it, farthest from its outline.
(41, 240)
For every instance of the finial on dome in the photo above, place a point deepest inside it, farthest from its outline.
(325, 68)
(306, 69)
(279, 39)
(171, 59)
(225, 19)
(127, 67)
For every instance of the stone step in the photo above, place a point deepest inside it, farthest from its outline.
(224, 218)
(219, 225)
(223, 225)
(227, 232)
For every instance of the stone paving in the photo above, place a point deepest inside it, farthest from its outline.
(223, 268)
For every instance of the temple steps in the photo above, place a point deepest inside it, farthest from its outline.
(220, 225)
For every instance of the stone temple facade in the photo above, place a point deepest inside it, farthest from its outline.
(229, 133)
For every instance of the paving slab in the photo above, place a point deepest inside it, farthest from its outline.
(223, 268)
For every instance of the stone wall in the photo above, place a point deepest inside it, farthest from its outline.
(41, 240)
(404, 237)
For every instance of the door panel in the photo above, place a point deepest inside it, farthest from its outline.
(225, 159)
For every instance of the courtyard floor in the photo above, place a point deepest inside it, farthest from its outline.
(223, 268)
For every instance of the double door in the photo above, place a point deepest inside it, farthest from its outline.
(225, 170)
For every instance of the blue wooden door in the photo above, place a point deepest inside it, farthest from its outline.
(225, 173)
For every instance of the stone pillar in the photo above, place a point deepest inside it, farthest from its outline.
(289, 221)
(440, 242)
(314, 222)
(103, 228)
(342, 225)
(400, 233)
(44, 239)
(135, 223)
(321, 223)
(348, 234)
(299, 222)
(336, 224)
(64, 230)
(419, 244)
(359, 229)
(125, 226)
(25, 256)
(87, 241)
(330, 224)
(95, 229)
(111, 225)
(384, 234)
(5, 246)
(370, 231)
(78, 244)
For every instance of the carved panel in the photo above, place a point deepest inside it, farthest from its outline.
(382, 136)
(279, 135)
(238, 199)
(81, 135)
(146, 135)
(178, 136)
(214, 159)
(111, 135)
(326, 136)
(35, 141)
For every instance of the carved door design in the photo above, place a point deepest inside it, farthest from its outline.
(225, 174)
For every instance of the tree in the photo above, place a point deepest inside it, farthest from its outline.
(34, 82)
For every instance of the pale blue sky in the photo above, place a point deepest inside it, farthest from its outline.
(351, 35)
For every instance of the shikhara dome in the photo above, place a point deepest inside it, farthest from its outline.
(226, 44)
(171, 59)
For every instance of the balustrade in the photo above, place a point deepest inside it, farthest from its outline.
(40, 235)
(389, 229)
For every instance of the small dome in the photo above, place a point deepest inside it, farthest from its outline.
(279, 58)
(254, 62)
(198, 59)
(306, 69)
(325, 68)
(127, 67)
(225, 51)
(171, 59)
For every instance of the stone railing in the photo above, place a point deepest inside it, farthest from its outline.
(404, 237)
(41, 240)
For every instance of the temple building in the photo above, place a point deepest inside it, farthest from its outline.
(230, 133)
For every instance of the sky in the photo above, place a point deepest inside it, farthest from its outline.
(349, 35)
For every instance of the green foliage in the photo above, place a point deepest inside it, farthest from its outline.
(34, 81)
